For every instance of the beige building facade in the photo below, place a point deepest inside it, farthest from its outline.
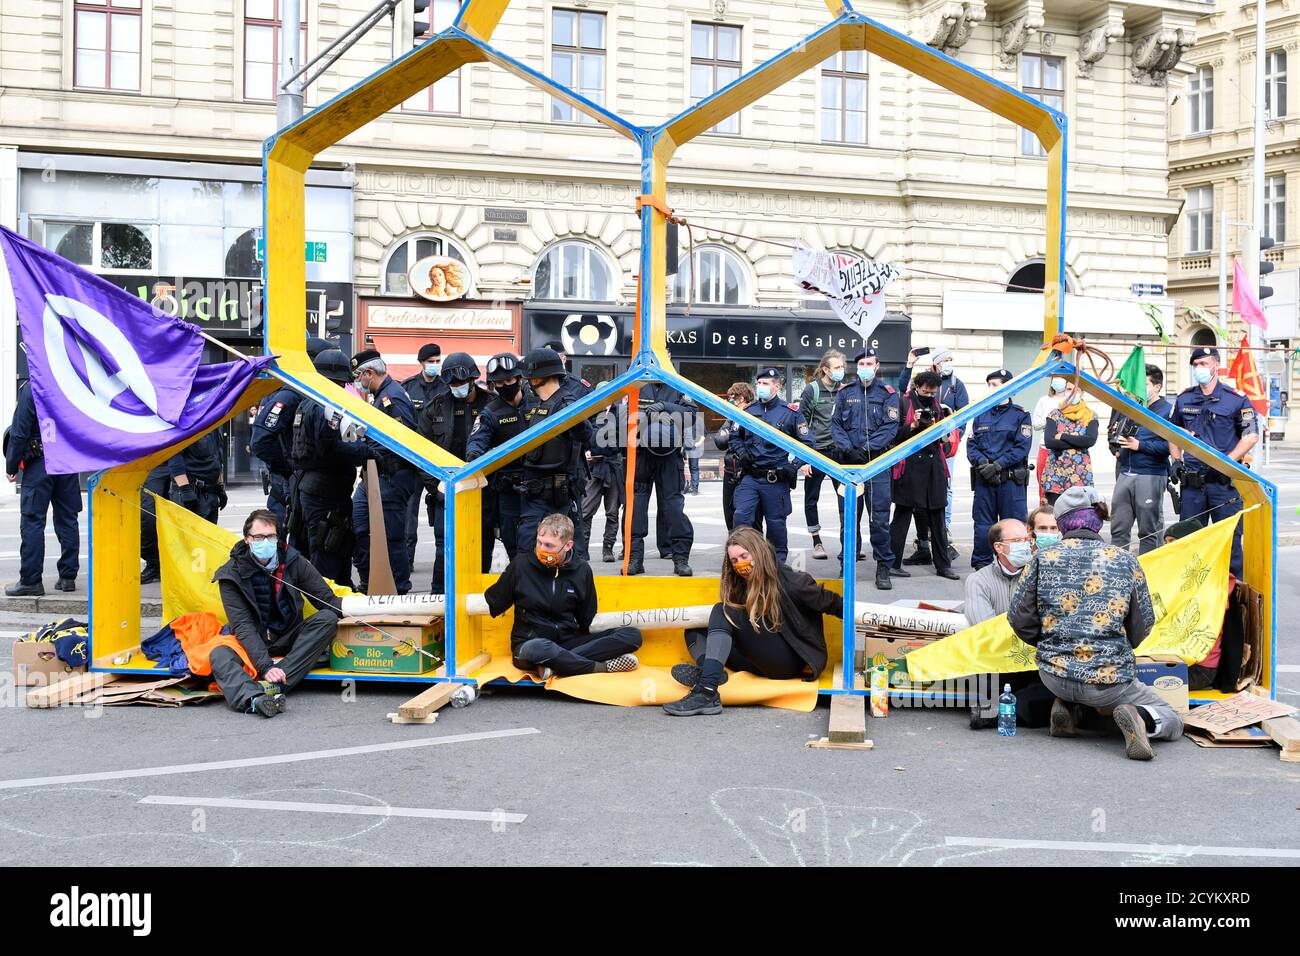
(1211, 171)
(131, 130)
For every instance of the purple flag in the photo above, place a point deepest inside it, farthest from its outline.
(114, 379)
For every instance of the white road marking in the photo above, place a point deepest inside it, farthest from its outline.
(1288, 668)
(261, 761)
(483, 816)
(1156, 848)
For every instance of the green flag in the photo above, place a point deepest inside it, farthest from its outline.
(1156, 317)
(1133, 375)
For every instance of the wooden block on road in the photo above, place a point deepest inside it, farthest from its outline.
(1285, 732)
(825, 744)
(848, 719)
(66, 691)
(427, 701)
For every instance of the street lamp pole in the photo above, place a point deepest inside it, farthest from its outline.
(288, 98)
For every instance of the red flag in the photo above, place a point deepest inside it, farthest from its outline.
(1244, 300)
(1246, 375)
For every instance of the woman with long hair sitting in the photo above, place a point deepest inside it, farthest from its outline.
(769, 622)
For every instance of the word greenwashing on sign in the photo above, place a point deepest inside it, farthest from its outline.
(314, 251)
(855, 286)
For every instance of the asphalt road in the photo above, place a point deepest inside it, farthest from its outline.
(604, 785)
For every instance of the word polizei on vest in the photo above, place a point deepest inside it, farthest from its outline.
(76, 909)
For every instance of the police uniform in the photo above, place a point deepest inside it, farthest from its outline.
(1220, 419)
(202, 463)
(398, 481)
(272, 442)
(447, 421)
(864, 425)
(1002, 436)
(325, 472)
(421, 390)
(659, 464)
(497, 423)
(605, 481)
(40, 491)
(769, 474)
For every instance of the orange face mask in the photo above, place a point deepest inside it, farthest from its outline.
(550, 559)
(744, 566)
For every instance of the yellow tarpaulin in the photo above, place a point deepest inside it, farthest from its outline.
(1188, 581)
(190, 550)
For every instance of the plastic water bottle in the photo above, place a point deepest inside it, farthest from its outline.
(468, 693)
(1007, 712)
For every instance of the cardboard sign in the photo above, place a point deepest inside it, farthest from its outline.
(1241, 710)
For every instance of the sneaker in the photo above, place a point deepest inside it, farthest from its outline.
(688, 675)
(622, 664)
(66, 584)
(1129, 720)
(701, 701)
(150, 575)
(25, 590)
(919, 556)
(607, 555)
(267, 705)
(544, 674)
(1064, 720)
(682, 568)
(819, 553)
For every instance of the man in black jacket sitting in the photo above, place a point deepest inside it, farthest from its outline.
(262, 590)
(553, 593)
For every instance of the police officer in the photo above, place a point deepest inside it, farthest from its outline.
(500, 420)
(769, 472)
(23, 451)
(661, 443)
(1225, 420)
(606, 466)
(572, 386)
(998, 450)
(272, 442)
(325, 471)
(550, 480)
(191, 479)
(447, 420)
(398, 479)
(863, 425)
(421, 387)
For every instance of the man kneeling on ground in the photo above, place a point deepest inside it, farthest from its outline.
(553, 593)
(1085, 606)
(262, 589)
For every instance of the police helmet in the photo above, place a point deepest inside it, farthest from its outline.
(543, 363)
(459, 367)
(333, 364)
(502, 366)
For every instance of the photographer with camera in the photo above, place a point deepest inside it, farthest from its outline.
(1141, 472)
(921, 481)
(953, 394)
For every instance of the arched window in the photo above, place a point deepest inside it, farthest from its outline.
(1029, 278)
(574, 270)
(1204, 336)
(719, 278)
(411, 250)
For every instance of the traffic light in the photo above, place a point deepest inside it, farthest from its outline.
(1265, 267)
(421, 28)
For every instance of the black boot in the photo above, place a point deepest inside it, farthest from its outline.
(882, 577)
(607, 555)
(898, 572)
(25, 590)
(702, 701)
(635, 566)
(682, 568)
(921, 555)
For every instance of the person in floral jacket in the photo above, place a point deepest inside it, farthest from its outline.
(1084, 605)
(1070, 430)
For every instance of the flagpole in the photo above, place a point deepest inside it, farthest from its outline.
(247, 358)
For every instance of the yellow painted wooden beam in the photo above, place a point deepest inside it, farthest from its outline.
(479, 18)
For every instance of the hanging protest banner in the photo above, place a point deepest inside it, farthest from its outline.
(855, 286)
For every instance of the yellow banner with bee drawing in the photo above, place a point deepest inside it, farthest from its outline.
(1188, 580)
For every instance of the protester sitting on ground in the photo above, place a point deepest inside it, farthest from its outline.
(1070, 430)
(1042, 527)
(1201, 675)
(988, 590)
(553, 593)
(262, 590)
(769, 622)
(1085, 605)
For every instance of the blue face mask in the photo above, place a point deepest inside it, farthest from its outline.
(264, 551)
(867, 375)
(1047, 539)
(1202, 375)
(431, 369)
(1019, 554)
(460, 391)
(764, 392)
(837, 375)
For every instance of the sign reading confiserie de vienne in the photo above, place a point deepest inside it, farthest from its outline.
(446, 320)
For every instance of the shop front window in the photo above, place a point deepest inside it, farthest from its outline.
(102, 246)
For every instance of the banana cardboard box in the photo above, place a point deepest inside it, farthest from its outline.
(394, 645)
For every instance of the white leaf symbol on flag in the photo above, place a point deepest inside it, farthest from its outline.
(95, 400)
